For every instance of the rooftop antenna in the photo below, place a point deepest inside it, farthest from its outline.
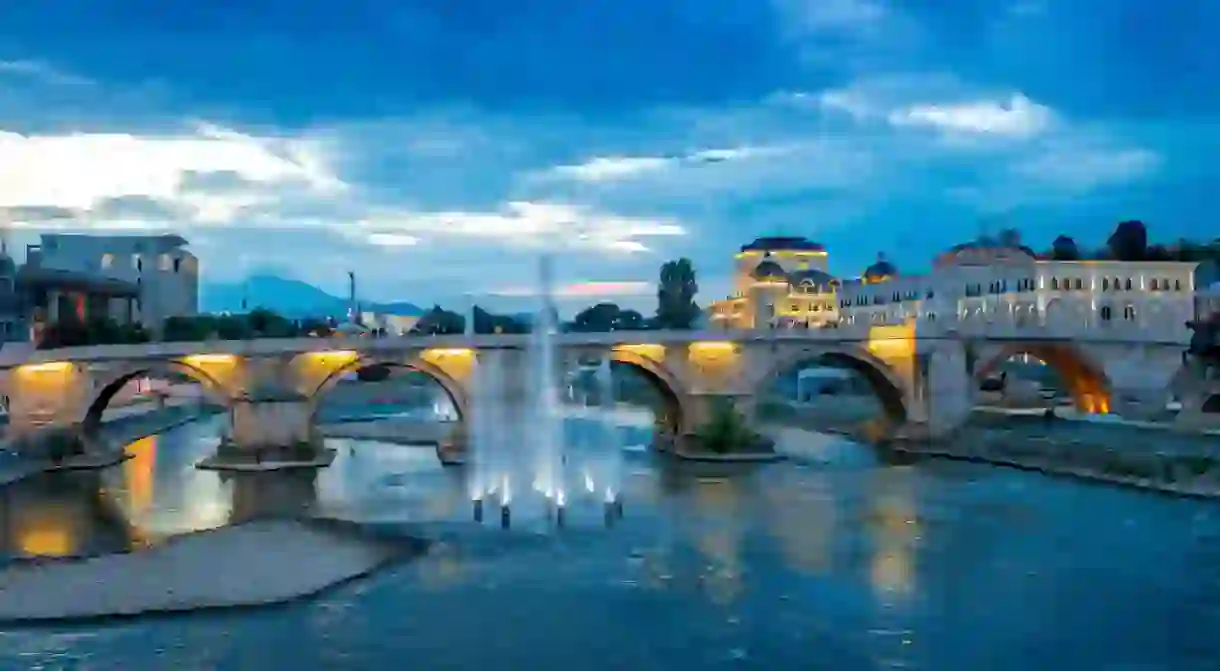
(353, 309)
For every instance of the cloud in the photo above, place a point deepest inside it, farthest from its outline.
(1083, 169)
(933, 101)
(44, 72)
(583, 290)
(1018, 117)
(523, 224)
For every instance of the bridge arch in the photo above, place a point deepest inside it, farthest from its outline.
(453, 388)
(887, 385)
(675, 414)
(101, 396)
(1084, 376)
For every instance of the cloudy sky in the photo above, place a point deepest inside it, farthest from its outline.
(436, 146)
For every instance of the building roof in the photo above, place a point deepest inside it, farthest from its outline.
(30, 276)
(811, 276)
(881, 269)
(769, 270)
(783, 243)
(984, 252)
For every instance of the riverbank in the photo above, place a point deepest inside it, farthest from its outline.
(113, 436)
(231, 567)
(1178, 475)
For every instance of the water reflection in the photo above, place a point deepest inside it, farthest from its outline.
(61, 515)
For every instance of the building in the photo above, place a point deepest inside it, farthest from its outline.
(164, 272)
(986, 282)
(779, 280)
(784, 282)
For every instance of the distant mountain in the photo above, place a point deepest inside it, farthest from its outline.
(292, 298)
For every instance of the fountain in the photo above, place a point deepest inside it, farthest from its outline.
(521, 443)
(609, 451)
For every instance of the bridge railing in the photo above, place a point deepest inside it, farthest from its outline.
(846, 333)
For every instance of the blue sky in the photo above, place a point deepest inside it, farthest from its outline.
(435, 147)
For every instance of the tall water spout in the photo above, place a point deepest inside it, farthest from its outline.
(547, 438)
(610, 452)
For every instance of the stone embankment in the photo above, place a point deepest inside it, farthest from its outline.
(254, 564)
(1193, 475)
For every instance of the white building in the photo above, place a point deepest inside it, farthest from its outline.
(981, 283)
(165, 272)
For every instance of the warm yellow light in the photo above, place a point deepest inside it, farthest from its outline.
(204, 359)
(646, 350)
(335, 354)
(714, 345)
(47, 367)
(448, 351)
(46, 541)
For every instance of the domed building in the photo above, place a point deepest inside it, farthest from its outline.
(881, 271)
(779, 280)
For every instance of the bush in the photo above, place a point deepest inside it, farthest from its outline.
(726, 430)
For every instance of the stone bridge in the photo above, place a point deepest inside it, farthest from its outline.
(925, 375)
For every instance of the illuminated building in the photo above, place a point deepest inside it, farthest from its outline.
(782, 281)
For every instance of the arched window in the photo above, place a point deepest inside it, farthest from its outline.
(1055, 283)
(1129, 313)
(1128, 284)
(1105, 284)
(1105, 313)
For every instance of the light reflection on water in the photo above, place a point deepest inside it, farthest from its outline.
(832, 561)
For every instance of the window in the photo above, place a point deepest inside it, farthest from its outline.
(1079, 284)
(1105, 313)
(1128, 284)
(1055, 283)
(1105, 284)
(137, 262)
(1155, 284)
(107, 260)
(1129, 313)
(1177, 285)
(163, 262)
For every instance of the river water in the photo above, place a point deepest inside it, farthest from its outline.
(837, 563)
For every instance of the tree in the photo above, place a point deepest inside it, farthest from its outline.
(1129, 241)
(631, 320)
(488, 322)
(264, 323)
(187, 329)
(597, 318)
(1065, 249)
(676, 307)
(438, 321)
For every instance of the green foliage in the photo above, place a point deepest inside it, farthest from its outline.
(1064, 249)
(676, 290)
(726, 430)
(439, 321)
(71, 332)
(487, 322)
(605, 317)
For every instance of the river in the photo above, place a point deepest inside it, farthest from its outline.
(842, 564)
